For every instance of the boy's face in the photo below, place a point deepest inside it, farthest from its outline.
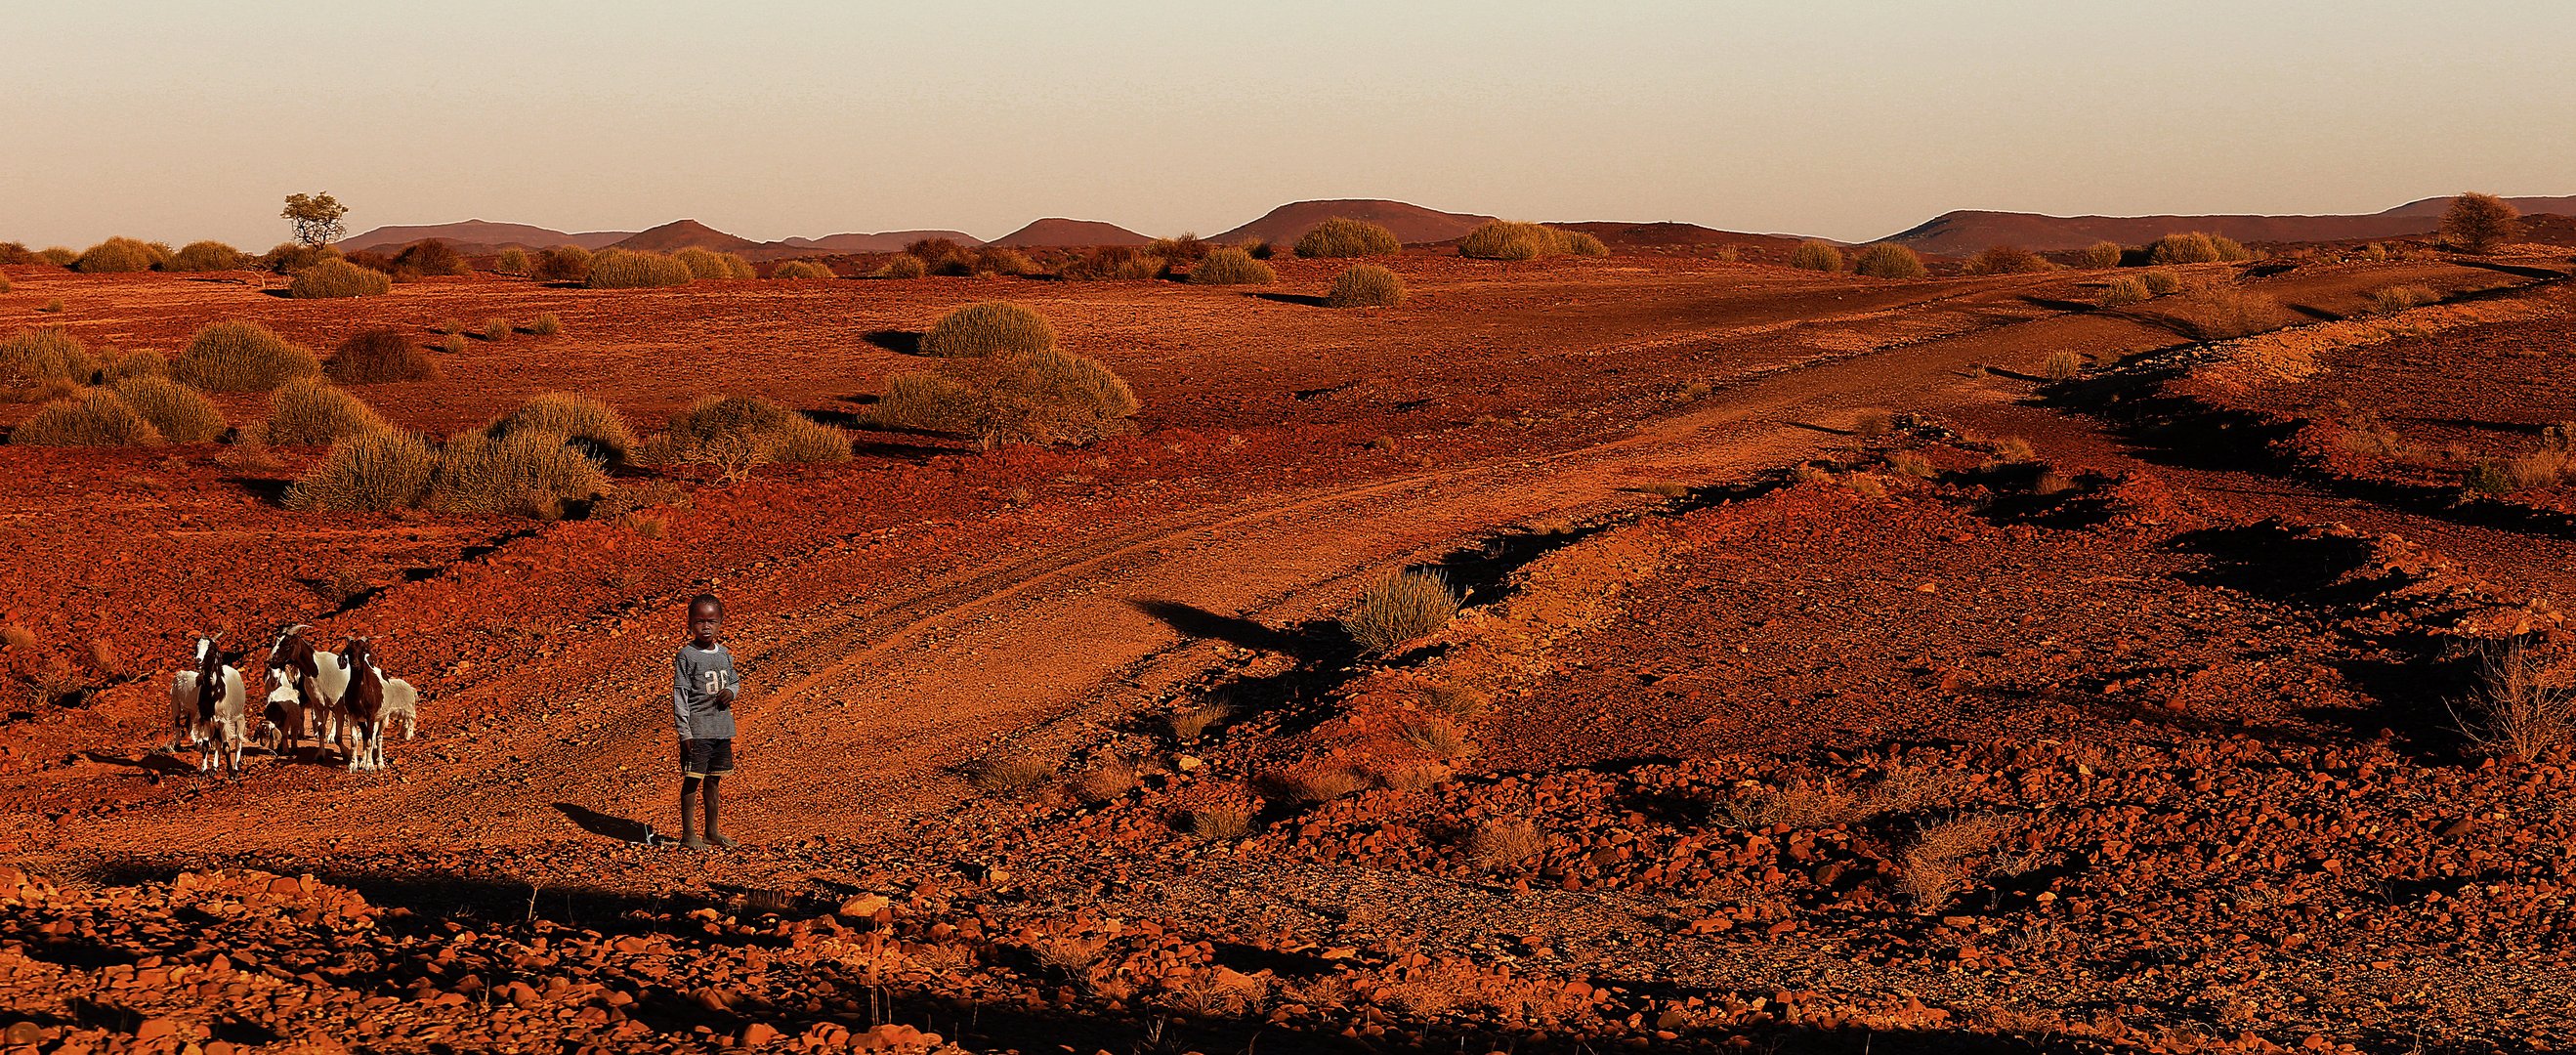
(704, 621)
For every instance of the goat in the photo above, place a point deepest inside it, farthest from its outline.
(318, 679)
(208, 700)
(363, 705)
(402, 704)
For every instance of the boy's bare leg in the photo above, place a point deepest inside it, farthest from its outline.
(689, 814)
(713, 835)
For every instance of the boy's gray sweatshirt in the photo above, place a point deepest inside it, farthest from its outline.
(696, 675)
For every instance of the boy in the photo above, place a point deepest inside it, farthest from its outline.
(703, 686)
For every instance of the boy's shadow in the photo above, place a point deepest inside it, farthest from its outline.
(597, 823)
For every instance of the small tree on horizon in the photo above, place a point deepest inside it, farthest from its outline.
(2478, 223)
(316, 218)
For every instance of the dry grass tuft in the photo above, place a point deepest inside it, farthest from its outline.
(1366, 286)
(494, 329)
(141, 362)
(1400, 608)
(242, 357)
(2524, 705)
(1314, 784)
(1888, 260)
(589, 425)
(1497, 845)
(2063, 366)
(1041, 398)
(512, 261)
(1104, 782)
(1190, 724)
(51, 355)
(207, 256)
(527, 474)
(801, 269)
(180, 413)
(1344, 237)
(2009, 260)
(388, 470)
(2123, 291)
(1232, 267)
(992, 327)
(546, 325)
(117, 255)
(380, 355)
(2227, 313)
(633, 269)
(1435, 736)
(1817, 255)
(1227, 820)
(737, 434)
(707, 263)
(2195, 247)
(1510, 240)
(2104, 254)
(1010, 771)
(338, 278)
(307, 411)
(2395, 299)
(94, 419)
(1936, 865)
(1909, 463)
(2161, 280)
(903, 265)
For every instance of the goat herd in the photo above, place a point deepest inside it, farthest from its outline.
(340, 701)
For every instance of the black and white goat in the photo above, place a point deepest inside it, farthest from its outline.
(371, 703)
(206, 709)
(317, 679)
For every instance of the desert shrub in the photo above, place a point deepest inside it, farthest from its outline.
(633, 269)
(588, 425)
(1313, 784)
(736, 433)
(2227, 313)
(2395, 299)
(800, 269)
(546, 325)
(206, 256)
(1435, 736)
(431, 257)
(2161, 280)
(1887, 260)
(1038, 397)
(2064, 365)
(1184, 248)
(58, 255)
(1816, 255)
(452, 344)
(2185, 247)
(512, 261)
(46, 356)
(141, 362)
(179, 413)
(494, 329)
(1010, 771)
(957, 263)
(563, 263)
(1509, 240)
(2522, 707)
(53, 307)
(339, 278)
(1105, 782)
(527, 474)
(1226, 820)
(2124, 290)
(242, 357)
(1579, 243)
(992, 327)
(94, 419)
(707, 263)
(378, 355)
(1232, 267)
(18, 253)
(309, 411)
(1344, 237)
(379, 471)
(1191, 723)
(1935, 865)
(2009, 260)
(2229, 249)
(903, 265)
(1909, 463)
(1502, 843)
(1003, 260)
(2104, 254)
(2478, 223)
(120, 255)
(288, 258)
(1366, 286)
(1401, 607)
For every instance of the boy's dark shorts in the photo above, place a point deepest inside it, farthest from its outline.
(706, 757)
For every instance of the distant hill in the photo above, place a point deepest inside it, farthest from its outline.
(1970, 230)
(685, 234)
(479, 236)
(1056, 232)
(1667, 234)
(1412, 224)
(880, 242)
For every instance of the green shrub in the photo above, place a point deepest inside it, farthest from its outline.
(1037, 397)
(586, 424)
(2006, 260)
(379, 471)
(94, 419)
(2124, 290)
(431, 257)
(1887, 260)
(527, 474)
(179, 413)
(207, 256)
(2160, 281)
(2104, 254)
(563, 263)
(309, 412)
(1344, 237)
(631, 269)
(903, 265)
(801, 269)
(512, 261)
(46, 356)
(546, 325)
(2187, 247)
(1509, 240)
(59, 255)
(988, 328)
(141, 362)
(242, 357)
(339, 278)
(379, 355)
(1401, 607)
(739, 432)
(1817, 255)
(707, 263)
(1366, 286)
(1232, 267)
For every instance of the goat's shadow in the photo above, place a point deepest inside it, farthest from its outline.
(596, 823)
(1190, 620)
(900, 342)
(1306, 299)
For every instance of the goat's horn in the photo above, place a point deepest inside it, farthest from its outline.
(299, 628)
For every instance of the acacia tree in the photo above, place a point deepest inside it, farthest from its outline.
(316, 218)
(2478, 223)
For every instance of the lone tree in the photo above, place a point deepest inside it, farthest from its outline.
(2478, 223)
(316, 218)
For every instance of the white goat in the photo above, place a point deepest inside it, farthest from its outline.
(402, 704)
(208, 700)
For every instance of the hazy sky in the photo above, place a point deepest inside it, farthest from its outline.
(178, 121)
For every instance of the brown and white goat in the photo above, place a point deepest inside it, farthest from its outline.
(206, 705)
(317, 678)
(364, 704)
